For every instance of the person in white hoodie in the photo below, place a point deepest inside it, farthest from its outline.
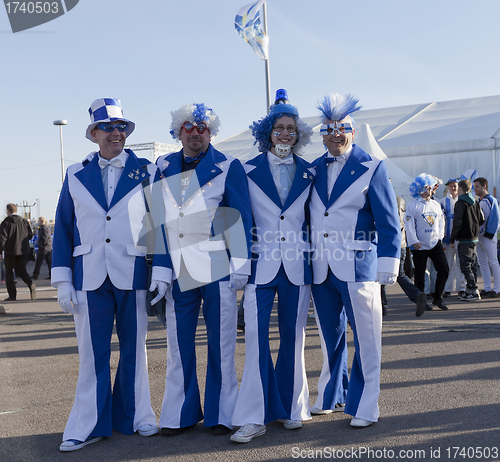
(424, 225)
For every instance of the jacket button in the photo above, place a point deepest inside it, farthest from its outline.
(108, 218)
(108, 241)
(282, 239)
(325, 235)
(326, 214)
(181, 235)
(282, 217)
(181, 214)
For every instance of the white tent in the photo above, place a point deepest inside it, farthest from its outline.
(441, 138)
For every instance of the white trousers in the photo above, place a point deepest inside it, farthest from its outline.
(488, 262)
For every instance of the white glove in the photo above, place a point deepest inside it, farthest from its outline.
(387, 279)
(237, 281)
(66, 295)
(162, 290)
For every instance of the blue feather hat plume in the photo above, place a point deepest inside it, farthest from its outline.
(261, 129)
(337, 106)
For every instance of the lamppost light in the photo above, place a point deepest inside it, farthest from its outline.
(61, 123)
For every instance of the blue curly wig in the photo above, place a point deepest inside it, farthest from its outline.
(420, 183)
(262, 129)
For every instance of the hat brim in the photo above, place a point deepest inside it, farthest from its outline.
(128, 132)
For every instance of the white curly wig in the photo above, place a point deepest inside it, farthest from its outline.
(194, 113)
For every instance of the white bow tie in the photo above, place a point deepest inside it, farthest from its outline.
(103, 163)
(277, 161)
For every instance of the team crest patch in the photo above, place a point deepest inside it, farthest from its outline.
(429, 217)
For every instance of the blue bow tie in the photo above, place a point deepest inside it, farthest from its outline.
(329, 160)
(190, 160)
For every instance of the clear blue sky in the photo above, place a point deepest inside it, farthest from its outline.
(157, 55)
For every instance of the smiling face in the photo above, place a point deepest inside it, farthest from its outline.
(338, 143)
(111, 144)
(453, 188)
(284, 131)
(194, 142)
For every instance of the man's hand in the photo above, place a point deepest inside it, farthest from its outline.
(162, 290)
(417, 246)
(387, 279)
(452, 246)
(237, 281)
(66, 297)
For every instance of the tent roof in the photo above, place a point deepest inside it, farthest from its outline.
(418, 124)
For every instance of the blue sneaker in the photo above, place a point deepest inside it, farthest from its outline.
(74, 445)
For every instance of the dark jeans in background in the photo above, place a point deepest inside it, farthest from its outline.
(467, 256)
(404, 281)
(438, 257)
(41, 256)
(17, 263)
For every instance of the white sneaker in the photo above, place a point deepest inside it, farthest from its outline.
(360, 423)
(147, 429)
(317, 411)
(74, 445)
(248, 432)
(291, 424)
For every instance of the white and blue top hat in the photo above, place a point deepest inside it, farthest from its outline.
(104, 110)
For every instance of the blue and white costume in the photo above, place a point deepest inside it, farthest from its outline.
(281, 265)
(487, 246)
(97, 248)
(355, 234)
(208, 227)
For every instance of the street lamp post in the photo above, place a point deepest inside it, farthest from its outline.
(61, 123)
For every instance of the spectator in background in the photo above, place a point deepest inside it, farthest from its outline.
(448, 206)
(424, 225)
(487, 244)
(44, 248)
(468, 217)
(15, 235)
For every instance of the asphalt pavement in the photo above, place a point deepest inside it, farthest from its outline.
(439, 401)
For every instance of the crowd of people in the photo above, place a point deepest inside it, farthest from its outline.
(198, 226)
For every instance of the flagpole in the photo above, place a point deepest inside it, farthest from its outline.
(268, 79)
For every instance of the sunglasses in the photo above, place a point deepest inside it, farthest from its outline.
(200, 127)
(109, 127)
(335, 127)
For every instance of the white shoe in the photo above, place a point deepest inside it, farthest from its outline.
(317, 411)
(248, 432)
(147, 429)
(360, 423)
(290, 424)
(74, 445)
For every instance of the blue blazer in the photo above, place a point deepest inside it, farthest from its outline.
(356, 231)
(93, 241)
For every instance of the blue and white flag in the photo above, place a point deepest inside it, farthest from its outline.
(248, 25)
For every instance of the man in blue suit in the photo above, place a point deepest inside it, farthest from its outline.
(280, 184)
(208, 227)
(356, 236)
(100, 272)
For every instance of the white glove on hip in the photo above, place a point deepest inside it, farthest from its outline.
(66, 297)
(162, 290)
(387, 279)
(237, 281)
